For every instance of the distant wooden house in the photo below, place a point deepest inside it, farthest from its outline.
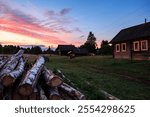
(71, 49)
(64, 49)
(133, 43)
(80, 52)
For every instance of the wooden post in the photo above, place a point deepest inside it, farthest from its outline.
(27, 85)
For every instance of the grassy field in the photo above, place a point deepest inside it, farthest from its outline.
(124, 79)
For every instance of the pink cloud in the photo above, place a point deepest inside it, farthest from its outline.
(20, 23)
(14, 27)
(15, 21)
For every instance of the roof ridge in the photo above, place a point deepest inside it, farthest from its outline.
(134, 32)
(136, 26)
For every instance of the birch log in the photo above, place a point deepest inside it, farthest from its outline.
(41, 93)
(29, 82)
(61, 75)
(109, 96)
(17, 96)
(72, 91)
(54, 94)
(9, 79)
(64, 95)
(17, 55)
(34, 95)
(12, 63)
(67, 90)
(7, 95)
(3, 62)
(52, 79)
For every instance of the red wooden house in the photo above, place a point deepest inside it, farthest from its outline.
(133, 43)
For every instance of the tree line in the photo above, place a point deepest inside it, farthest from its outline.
(10, 49)
(90, 45)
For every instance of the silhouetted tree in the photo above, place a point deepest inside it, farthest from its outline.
(90, 44)
(27, 50)
(1, 49)
(36, 50)
(104, 43)
(105, 49)
(49, 50)
(17, 48)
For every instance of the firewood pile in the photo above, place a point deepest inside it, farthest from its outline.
(19, 80)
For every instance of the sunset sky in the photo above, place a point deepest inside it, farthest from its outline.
(52, 22)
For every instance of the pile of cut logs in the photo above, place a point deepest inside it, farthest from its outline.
(19, 80)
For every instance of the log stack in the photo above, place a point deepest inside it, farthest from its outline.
(17, 82)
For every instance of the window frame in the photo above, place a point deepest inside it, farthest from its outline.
(123, 50)
(136, 42)
(144, 49)
(117, 46)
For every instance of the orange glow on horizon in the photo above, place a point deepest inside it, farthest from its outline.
(8, 38)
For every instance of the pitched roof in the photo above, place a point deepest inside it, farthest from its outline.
(65, 47)
(131, 33)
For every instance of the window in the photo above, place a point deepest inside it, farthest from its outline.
(144, 45)
(123, 47)
(136, 46)
(117, 47)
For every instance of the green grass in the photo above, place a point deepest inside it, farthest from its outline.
(124, 79)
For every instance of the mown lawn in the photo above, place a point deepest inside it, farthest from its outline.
(124, 79)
